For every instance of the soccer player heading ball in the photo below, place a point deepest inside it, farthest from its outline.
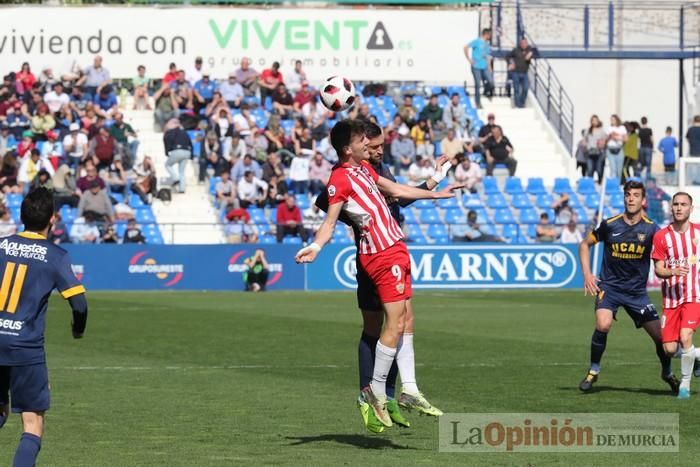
(33, 267)
(356, 190)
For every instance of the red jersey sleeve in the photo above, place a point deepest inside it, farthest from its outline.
(372, 173)
(659, 252)
(339, 189)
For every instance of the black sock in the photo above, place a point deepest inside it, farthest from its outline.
(664, 359)
(365, 352)
(598, 341)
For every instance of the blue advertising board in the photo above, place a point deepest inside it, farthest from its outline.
(473, 266)
(179, 267)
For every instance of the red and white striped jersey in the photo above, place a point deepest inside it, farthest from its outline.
(356, 187)
(677, 249)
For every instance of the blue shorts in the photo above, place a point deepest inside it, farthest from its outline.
(26, 387)
(367, 296)
(638, 307)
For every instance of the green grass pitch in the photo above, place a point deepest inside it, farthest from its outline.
(219, 379)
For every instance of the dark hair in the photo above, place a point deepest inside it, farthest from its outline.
(600, 124)
(37, 209)
(485, 30)
(634, 185)
(140, 67)
(669, 129)
(544, 215)
(372, 130)
(342, 133)
(644, 120)
(682, 193)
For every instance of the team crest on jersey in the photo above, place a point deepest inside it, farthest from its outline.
(400, 287)
(641, 236)
(331, 190)
(696, 241)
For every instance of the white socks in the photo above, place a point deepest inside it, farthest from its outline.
(406, 361)
(687, 362)
(382, 364)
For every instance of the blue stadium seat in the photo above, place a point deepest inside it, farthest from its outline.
(490, 185)
(562, 185)
(448, 203)
(503, 216)
(435, 90)
(529, 216)
(424, 204)
(586, 186)
(550, 213)
(120, 228)
(342, 240)
(482, 217)
(513, 186)
(400, 179)
(68, 214)
(455, 216)
(592, 200)
(472, 201)
(617, 201)
(287, 126)
(196, 137)
(415, 233)
(574, 201)
(257, 215)
(409, 216)
(437, 231)
(488, 229)
(532, 231)
(135, 202)
(535, 186)
(13, 199)
(437, 149)
(544, 200)
(521, 201)
(302, 201)
(267, 239)
(608, 213)
(118, 197)
(612, 185)
(272, 215)
(288, 240)
(582, 216)
(144, 215)
(429, 216)
(509, 230)
(212, 185)
(496, 200)
(262, 228)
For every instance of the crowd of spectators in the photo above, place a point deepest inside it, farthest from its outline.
(67, 132)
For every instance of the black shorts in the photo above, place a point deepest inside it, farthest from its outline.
(26, 387)
(638, 307)
(367, 297)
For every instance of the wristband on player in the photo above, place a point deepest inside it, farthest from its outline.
(437, 177)
(314, 247)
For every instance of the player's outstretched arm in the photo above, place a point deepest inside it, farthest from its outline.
(442, 166)
(323, 236)
(78, 304)
(590, 282)
(396, 190)
(662, 272)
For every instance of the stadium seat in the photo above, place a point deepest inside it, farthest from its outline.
(429, 216)
(437, 231)
(550, 213)
(521, 201)
(13, 199)
(607, 212)
(415, 234)
(532, 231)
(509, 230)
(267, 239)
(144, 215)
(424, 204)
(490, 185)
(135, 201)
(535, 186)
(481, 215)
(289, 240)
(513, 186)
(257, 215)
(287, 126)
(582, 216)
(409, 216)
(592, 200)
(455, 216)
(448, 203)
(529, 216)
(302, 201)
(212, 185)
(544, 200)
(617, 201)
(262, 228)
(488, 229)
(586, 186)
(472, 201)
(118, 197)
(562, 185)
(400, 179)
(503, 216)
(344, 240)
(574, 200)
(272, 215)
(612, 185)
(496, 201)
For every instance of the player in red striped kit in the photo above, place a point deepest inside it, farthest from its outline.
(355, 189)
(675, 255)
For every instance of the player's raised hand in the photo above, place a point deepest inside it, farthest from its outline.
(452, 187)
(590, 285)
(307, 254)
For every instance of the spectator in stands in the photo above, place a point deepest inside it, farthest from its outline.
(667, 146)
(478, 53)
(302, 97)
(79, 101)
(203, 91)
(422, 136)
(468, 173)
(314, 115)
(106, 104)
(239, 228)
(455, 117)
(313, 218)
(258, 270)
(221, 118)
(270, 78)
(243, 121)
(178, 148)
(580, 154)
(116, 180)
(272, 168)
(319, 173)
(289, 220)
(103, 149)
(133, 234)
(8, 174)
(403, 150)
(420, 171)
(630, 165)
(75, 145)
(124, 134)
(656, 197)
(251, 190)
(42, 180)
(18, 119)
(646, 147)
(296, 78)
(407, 111)
(247, 164)
(247, 77)
(59, 231)
(257, 143)
(486, 131)
(562, 211)
(8, 142)
(472, 232)
(211, 157)
(26, 77)
(96, 201)
(96, 77)
(52, 149)
(26, 145)
(110, 235)
(30, 167)
(571, 233)
(85, 229)
(276, 138)
(57, 98)
(595, 140)
(232, 91)
(141, 84)
(545, 232)
(451, 146)
(433, 113)
(195, 73)
(234, 148)
(7, 225)
(146, 183)
(282, 101)
(693, 137)
(277, 191)
(171, 75)
(304, 143)
(166, 106)
(65, 191)
(226, 194)
(42, 122)
(519, 64)
(182, 91)
(499, 150)
(90, 174)
(617, 135)
(299, 173)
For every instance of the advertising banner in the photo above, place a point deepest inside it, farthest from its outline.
(462, 267)
(361, 44)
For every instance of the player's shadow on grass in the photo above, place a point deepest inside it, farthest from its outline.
(360, 441)
(596, 389)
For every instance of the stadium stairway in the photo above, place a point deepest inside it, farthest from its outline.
(537, 149)
(192, 210)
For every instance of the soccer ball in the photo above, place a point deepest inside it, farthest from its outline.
(337, 93)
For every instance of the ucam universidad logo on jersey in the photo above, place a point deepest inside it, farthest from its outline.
(169, 274)
(479, 267)
(237, 265)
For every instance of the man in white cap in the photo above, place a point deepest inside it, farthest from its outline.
(403, 150)
(204, 90)
(75, 144)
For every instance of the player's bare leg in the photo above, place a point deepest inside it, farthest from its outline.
(411, 398)
(653, 328)
(30, 442)
(603, 323)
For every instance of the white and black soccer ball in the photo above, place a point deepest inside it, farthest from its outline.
(337, 93)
